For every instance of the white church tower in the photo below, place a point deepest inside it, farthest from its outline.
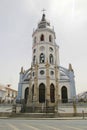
(43, 84)
(46, 82)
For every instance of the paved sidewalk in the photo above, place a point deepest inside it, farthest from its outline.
(58, 118)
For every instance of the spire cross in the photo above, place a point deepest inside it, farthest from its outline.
(43, 11)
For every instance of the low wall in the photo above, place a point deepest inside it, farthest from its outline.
(70, 108)
(63, 110)
(5, 114)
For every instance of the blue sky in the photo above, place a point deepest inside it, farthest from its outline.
(17, 20)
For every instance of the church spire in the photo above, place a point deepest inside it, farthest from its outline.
(43, 16)
(22, 70)
(70, 67)
(43, 23)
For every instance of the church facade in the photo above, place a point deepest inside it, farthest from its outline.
(45, 81)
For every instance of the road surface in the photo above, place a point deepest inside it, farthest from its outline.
(21, 124)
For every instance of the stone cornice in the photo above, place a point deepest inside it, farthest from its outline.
(44, 29)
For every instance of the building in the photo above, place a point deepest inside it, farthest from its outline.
(7, 94)
(2, 93)
(82, 97)
(46, 82)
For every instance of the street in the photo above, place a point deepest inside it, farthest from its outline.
(21, 124)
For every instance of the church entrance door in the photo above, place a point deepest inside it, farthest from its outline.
(41, 93)
(52, 93)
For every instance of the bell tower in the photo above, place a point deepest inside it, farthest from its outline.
(43, 84)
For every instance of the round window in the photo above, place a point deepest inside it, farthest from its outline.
(42, 72)
(51, 49)
(52, 72)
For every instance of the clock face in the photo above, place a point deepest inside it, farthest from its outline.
(42, 72)
(42, 48)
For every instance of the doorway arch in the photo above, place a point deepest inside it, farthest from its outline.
(26, 94)
(64, 94)
(42, 93)
(52, 93)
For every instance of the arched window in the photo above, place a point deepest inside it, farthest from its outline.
(34, 59)
(42, 37)
(41, 93)
(52, 93)
(51, 59)
(26, 94)
(64, 95)
(34, 50)
(50, 38)
(32, 91)
(42, 58)
(33, 73)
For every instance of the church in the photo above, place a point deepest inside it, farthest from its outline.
(45, 82)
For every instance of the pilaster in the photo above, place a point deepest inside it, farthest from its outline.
(36, 93)
(47, 82)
